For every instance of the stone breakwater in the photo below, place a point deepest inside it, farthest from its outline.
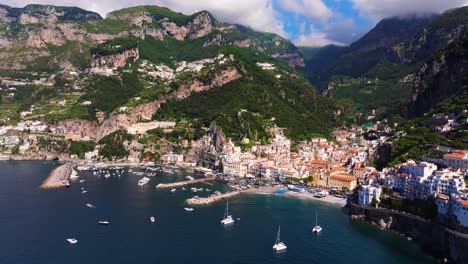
(433, 236)
(182, 183)
(58, 177)
(211, 199)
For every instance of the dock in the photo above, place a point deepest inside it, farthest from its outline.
(58, 177)
(183, 183)
(211, 199)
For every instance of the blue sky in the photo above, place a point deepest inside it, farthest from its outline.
(305, 22)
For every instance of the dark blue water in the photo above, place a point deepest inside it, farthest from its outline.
(34, 224)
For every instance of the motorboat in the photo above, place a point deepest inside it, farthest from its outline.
(190, 178)
(152, 219)
(90, 205)
(279, 246)
(72, 240)
(104, 222)
(84, 191)
(188, 209)
(183, 189)
(316, 228)
(67, 184)
(143, 181)
(227, 219)
(173, 190)
(81, 181)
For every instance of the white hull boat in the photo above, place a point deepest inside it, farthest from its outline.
(72, 241)
(227, 219)
(152, 219)
(316, 228)
(143, 181)
(279, 246)
(188, 209)
(104, 222)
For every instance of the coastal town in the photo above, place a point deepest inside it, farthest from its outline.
(340, 168)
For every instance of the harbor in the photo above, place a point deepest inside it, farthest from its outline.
(183, 183)
(58, 177)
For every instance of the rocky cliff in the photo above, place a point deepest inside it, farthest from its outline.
(440, 78)
(432, 236)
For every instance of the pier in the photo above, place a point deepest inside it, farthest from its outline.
(211, 199)
(58, 177)
(183, 183)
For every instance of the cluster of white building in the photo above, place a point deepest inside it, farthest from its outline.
(424, 180)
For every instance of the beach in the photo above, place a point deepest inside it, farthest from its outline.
(305, 195)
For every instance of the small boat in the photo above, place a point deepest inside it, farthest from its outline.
(90, 205)
(208, 190)
(152, 219)
(188, 209)
(84, 191)
(409, 238)
(173, 190)
(67, 184)
(183, 189)
(104, 222)
(72, 240)
(227, 219)
(316, 228)
(279, 246)
(190, 178)
(81, 181)
(143, 181)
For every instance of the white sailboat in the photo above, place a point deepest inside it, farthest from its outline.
(279, 246)
(227, 219)
(316, 228)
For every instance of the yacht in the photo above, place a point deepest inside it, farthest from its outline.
(279, 246)
(227, 219)
(316, 228)
(152, 219)
(72, 240)
(188, 209)
(143, 181)
(104, 222)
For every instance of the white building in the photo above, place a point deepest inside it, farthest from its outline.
(367, 193)
(422, 169)
(172, 158)
(460, 210)
(457, 160)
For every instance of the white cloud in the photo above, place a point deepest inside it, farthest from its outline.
(309, 8)
(378, 9)
(316, 38)
(258, 14)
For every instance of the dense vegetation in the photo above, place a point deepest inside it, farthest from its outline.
(107, 93)
(79, 148)
(419, 141)
(112, 145)
(423, 208)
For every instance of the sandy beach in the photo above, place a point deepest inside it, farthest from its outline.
(57, 177)
(306, 195)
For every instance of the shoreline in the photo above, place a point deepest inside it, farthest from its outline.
(268, 190)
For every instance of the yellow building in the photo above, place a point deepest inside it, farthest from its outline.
(342, 182)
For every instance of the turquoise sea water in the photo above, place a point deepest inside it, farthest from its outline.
(35, 223)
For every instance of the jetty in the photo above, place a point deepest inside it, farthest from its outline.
(58, 177)
(211, 199)
(183, 183)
